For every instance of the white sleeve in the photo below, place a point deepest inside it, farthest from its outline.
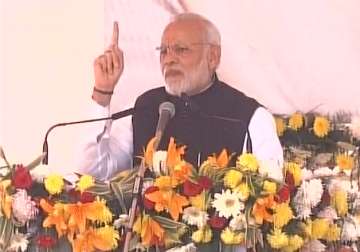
(266, 145)
(109, 149)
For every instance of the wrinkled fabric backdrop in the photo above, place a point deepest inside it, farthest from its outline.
(290, 55)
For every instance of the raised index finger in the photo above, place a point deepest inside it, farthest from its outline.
(115, 36)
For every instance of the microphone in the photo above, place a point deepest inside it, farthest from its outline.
(114, 116)
(166, 112)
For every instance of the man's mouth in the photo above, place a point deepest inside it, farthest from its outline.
(172, 73)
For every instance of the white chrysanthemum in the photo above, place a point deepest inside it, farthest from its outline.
(271, 169)
(159, 162)
(194, 216)
(227, 204)
(314, 190)
(308, 196)
(238, 222)
(122, 221)
(18, 242)
(351, 229)
(313, 246)
(306, 174)
(355, 126)
(40, 172)
(302, 207)
(338, 184)
(24, 209)
(324, 171)
(186, 248)
(328, 213)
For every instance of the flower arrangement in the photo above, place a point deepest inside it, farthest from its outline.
(43, 212)
(311, 204)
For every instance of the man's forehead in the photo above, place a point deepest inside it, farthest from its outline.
(183, 32)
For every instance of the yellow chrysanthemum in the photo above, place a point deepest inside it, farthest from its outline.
(295, 170)
(197, 236)
(109, 236)
(164, 183)
(282, 215)
(296, 121)
(243, 191)
(295, 243)
(232, 179)
(230, 237)
(5, 199)
(84, 183)
(339, 202)
(306, 227)
(277, 239)
(345, 162)
(207, 234)
(227, 236)
(247, 162)
(321, 126)
(280, 126)
(333, 233)
(54, 184)
(319, 228)
(269, 187)
(199, 201)
(99, 211)
(203, 235)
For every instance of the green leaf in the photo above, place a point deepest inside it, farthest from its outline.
(170, 224)
(36, 162)
(119, 195)
(6, 232)
(2, 155)
(172, 239)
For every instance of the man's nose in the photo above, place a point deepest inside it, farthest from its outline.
(169, 57)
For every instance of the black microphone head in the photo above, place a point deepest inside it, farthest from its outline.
(168, 107)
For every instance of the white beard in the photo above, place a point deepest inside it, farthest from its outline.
(195, 80)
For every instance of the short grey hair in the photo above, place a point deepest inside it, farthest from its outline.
(212, 32)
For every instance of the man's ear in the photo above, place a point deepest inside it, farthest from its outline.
(214, 56)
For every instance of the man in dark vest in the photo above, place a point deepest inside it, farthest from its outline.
(210, 115)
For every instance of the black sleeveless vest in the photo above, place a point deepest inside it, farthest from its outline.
(195, 124)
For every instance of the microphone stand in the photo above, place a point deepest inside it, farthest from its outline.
(115, 116)
(135, 198)
(165, 109)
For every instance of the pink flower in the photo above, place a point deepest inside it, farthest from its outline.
(192, 189)
(205, 182)
(283, 194)
(217, 222)
(24, 209)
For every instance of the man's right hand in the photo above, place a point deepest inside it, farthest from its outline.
(108, 68)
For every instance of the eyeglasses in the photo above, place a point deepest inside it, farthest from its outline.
(178, 50)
